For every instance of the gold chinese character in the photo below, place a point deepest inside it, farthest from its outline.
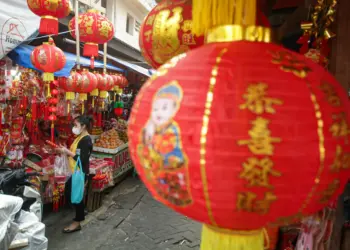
(187, 26)
(258, 171)
(340, 127)
(290, 63)
(329, 192)
(263, 206)
(257, 101)
(261, 142)
(188, 39)
(105, 29)
(245, 201)
(331, 95)
(150, 20)
(341, 160)
(148, 35)
(165, 34)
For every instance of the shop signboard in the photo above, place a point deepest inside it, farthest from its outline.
(122, 163)
(17, 24)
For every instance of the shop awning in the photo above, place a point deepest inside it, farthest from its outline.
(137, 68)
(21, 56)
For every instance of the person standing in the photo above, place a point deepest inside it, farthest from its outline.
(81, 147)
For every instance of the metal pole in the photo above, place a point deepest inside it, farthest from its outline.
(77, 34)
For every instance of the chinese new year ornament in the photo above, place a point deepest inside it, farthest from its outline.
(232, 132)
(94, 29)
(49, 11)
(49, 59)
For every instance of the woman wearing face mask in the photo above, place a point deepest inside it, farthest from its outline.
(81, 147)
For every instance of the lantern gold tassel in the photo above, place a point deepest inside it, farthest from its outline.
(207, 14)
(215, 238)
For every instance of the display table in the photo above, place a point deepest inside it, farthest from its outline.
(112, 165)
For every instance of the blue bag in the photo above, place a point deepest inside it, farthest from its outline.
(78, 183)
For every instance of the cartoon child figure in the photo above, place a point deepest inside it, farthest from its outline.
(161, 153)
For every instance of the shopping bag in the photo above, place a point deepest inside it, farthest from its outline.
(78, 181)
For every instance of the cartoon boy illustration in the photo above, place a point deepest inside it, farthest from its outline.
(160, 150)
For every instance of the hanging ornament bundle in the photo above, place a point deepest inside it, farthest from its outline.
(316, 33)
(241, 120)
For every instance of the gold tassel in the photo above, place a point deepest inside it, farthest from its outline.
(222, 239)
(207, 14)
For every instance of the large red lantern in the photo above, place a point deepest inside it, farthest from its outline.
(241, 136)
(167, 31)
(49, 59)
(49, 11)
(94, 29)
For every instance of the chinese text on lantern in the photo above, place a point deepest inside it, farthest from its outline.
(340, 130)
(258, 168)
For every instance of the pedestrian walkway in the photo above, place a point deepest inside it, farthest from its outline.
(130, 219)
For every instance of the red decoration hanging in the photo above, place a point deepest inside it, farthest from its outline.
(94, 29)
(239, 123)
(50, 11)
(49, 59)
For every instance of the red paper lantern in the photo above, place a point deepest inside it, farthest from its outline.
(241, 135)
(105, 85)
(49, 11)
(52, 118)
(49, 59)
(118, 111)
(167, 31)
(116, 81)
(88, 84)
(124, 82)
(53, 101)
(94, 29)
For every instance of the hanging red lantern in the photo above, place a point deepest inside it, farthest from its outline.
(159, 42)
(88, 84)
(105, 85)
(49, 59)
(94, 29)
(95, 93)
(123, 82)
(221, 133)
(69, 85)
(52, 118)
(50, 11)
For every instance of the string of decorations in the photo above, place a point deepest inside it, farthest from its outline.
(317, 33)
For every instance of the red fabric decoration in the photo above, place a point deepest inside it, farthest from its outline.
(248, 134)
(49, 11)
(94, 29)
(49, 59)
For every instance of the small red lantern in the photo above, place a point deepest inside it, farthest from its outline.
(49, 11)
(94, 29)
(221, 133)
(49, 59)
(88, 84)
(123, 82)
(106, 85)
(52, 118)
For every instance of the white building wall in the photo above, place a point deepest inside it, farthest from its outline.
(118, 11)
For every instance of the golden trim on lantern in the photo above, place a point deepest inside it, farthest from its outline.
(204, 132)
(232, 33)
(321, 145)
(50, 17)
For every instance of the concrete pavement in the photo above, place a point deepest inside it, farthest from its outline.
(130, 219)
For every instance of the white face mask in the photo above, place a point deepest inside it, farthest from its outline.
(76, 131)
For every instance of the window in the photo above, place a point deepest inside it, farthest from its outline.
(130, 24)
(104, 4)
(137, 26)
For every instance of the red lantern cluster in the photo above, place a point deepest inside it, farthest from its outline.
(48, 58)
(256, 118)
(52, 108)
(49, 11)
(94, 29)
(88, 84)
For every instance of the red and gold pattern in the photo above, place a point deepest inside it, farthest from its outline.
(105, 85)
(49, 59)
(166, 32)
(254, 118)
(50, 11)
(94, 29)
(69, 85)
